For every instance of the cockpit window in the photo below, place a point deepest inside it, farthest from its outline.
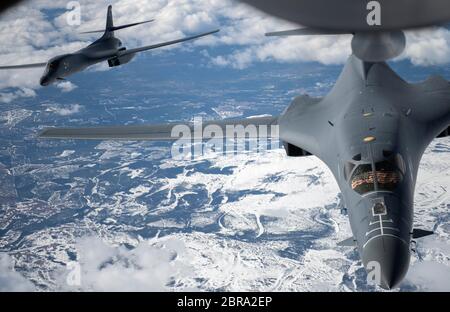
(362, 180)
(384, 176)
(388, 175)
(52, 65)
(348, 168)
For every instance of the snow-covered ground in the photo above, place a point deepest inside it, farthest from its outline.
(249, 222)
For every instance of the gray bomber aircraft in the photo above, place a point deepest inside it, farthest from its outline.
(371, 130)
(107, 48)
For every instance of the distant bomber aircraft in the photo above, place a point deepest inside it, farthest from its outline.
(107, 48)
(371, 130)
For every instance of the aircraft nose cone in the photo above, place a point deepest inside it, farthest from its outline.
(386, 259)
(44, 81)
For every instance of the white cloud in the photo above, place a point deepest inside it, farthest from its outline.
(432, 272)
(152, 266)
(64, 110)
(148, 267)
(66, 86)
(326, 50)
(10, 280)
(8, 97)
(428, 47)
(27, 35)
(430, 276)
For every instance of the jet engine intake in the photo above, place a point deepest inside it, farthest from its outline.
(294, 151)
(445, 133)
(117, 61)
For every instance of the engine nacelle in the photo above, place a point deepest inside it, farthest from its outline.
(117, 61)
(294, 151)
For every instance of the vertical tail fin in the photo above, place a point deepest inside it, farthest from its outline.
(109, 18)
(109, 30)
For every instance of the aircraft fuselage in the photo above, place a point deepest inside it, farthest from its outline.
(65, 65)
(376, 172)
(371, 130)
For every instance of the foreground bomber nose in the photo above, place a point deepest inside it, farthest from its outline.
(391, 256)
(44, 81)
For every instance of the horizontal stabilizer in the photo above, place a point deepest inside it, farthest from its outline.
(349, 242)
(36, 65)
(114, 28)
(92, 32)
(170, 131)
(131, 25)
(418, 233)
(306, 32)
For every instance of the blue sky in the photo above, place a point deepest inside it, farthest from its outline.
(38, 30)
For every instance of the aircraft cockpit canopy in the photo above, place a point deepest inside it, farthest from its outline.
(385, 175)
(52, 65)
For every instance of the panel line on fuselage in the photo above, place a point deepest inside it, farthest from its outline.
(385, 221)
(388, 235)
(378, 229)
(381, 225)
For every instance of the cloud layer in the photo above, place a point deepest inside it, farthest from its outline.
(10, 280)
(151, 266)
(28, 34)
